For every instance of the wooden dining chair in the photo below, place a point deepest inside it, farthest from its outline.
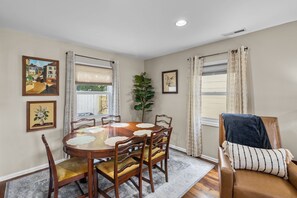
(110, 119)
(122, 167)
(163, 120)
(66, 172)
(82, 123)
(157, 151)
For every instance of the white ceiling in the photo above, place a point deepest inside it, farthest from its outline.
(143, 28)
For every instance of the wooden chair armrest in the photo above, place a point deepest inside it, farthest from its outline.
(292, 172)
(225, 175)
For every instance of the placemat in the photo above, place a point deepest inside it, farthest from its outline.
(79, 140)
(145, 125)
(143, 132)
(94, 129)
(119, 124)
(111, 141)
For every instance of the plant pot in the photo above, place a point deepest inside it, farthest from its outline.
(41, 122)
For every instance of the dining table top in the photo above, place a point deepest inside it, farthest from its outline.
(97, 146)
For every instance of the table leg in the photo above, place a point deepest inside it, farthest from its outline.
(90, 177)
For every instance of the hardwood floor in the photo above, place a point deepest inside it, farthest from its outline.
(207, 187)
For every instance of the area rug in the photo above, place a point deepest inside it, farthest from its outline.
(184, 172)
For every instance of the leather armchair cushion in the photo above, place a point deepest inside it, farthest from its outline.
(261, 185)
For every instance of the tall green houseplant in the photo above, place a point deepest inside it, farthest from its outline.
(143, 94)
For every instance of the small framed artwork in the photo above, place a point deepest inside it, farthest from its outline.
(40, 77)
(170, 81)
(41, 115)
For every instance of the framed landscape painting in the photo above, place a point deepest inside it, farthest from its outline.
(169, 82)
(41, 115)
(40, 77)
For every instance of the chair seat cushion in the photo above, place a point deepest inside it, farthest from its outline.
(146, 153)
(108, 167)
(256, 184)
(72, 167)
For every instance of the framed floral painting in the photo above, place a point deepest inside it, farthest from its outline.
(41, 115)
(40, 77)
(169, 82)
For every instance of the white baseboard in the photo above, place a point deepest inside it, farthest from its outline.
(178, 148)
(27, 171)
(202, 156)
(209, 158)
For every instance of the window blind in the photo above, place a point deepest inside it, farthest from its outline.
(93, 75)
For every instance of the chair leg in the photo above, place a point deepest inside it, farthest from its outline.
(79, 187)
(56, 191)
(151, 177)
(50, 188)
(140, 185)
(116, 189)
(95, 183)
(166, 169)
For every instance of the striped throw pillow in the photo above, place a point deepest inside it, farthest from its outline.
(271, 161)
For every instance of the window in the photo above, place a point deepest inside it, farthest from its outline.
(93, 90)
(213, 91)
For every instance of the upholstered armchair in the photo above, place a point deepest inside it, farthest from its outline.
(245, 183)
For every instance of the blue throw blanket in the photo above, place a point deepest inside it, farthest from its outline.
(246, 129)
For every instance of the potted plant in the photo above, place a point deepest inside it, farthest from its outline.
(143, 94)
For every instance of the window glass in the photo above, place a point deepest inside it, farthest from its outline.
(93, 100)
(213, 92)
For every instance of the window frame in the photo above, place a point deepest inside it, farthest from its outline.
(206, 120)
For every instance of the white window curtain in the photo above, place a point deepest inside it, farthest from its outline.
(70, 92)
(194, 131)
(237, 81)
(115, 88)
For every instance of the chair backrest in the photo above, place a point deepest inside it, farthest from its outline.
(110, 119)
(271, 125)
(51, 162)
(125, 150)
(163, 120)
(159, 139)
(82, 123)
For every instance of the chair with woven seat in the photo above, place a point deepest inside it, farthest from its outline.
(66, 172)
(82, 123)
(157, 151)
(110, 119)
(247, 183)
(122, 167)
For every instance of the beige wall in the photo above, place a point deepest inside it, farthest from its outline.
(272, 83)
(20, 150)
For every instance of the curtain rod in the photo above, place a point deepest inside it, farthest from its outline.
(215, 54)
(94, 58)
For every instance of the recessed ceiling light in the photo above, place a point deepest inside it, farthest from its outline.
(181, 23)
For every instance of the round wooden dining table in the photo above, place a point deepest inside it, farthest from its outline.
(98, 149)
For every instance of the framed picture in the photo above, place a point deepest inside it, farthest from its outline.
(40, 77)
(170, 82)
(41, 115)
